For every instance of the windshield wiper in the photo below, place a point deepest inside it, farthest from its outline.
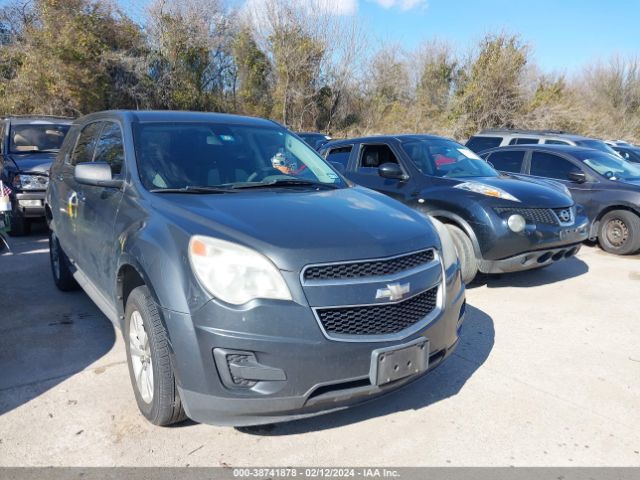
(286, 182)
(192, 189)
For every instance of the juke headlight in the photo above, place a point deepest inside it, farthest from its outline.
(448, 252)
(487, 190)
(30, 182)
(233, 273)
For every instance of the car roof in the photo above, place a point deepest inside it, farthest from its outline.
(150, 116)
(492, 132)
(569, 149)
(38, 119)
(384, 138)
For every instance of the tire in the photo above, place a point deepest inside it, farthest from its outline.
(20, 226)
(619, 232)
(60, 266)
(464, 247)
(150, 369)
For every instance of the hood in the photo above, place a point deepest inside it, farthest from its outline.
(531, 194)
(295, 228)
(33, 162)
(632, 184)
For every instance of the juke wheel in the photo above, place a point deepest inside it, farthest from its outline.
(620, 232)
(464, 247)
(150, 369)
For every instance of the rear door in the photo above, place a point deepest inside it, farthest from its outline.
(364, 170)
(98, 209)
(70, 193)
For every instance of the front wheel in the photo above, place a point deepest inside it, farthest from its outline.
(464, 248)
(619, 232)
(150, 369)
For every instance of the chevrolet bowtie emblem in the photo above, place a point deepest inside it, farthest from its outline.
(394, 291)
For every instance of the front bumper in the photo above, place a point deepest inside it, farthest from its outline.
(305, 373)
(19, 209)
(537, 246)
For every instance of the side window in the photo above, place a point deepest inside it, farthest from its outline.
(372, 156)
(83, 152)
(551, 166)
(110, 148)
(480, 144)
(340, 155)
(524, 141)
(508, 161)
(556, 142)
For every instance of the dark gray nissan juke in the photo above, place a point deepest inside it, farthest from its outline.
(499, 223)
(252, 282)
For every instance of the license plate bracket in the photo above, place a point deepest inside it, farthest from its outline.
(400, 361)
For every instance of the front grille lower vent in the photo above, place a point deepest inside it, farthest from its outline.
(378, 319)
(532, 215)
(371, 268)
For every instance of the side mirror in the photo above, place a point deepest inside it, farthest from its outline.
(391, 170)
(96, 174)
(578, 177)
(338, 166)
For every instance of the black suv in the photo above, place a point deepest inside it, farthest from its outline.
(607, 185)
(499, 223)
(28, 145)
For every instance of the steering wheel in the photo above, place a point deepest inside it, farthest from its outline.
(263, 173)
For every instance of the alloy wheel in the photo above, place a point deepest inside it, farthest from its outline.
(140, 352)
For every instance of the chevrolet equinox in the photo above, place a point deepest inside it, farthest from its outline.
(252, 282)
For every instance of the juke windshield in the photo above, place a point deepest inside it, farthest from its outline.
(444, 158)
(174, 156)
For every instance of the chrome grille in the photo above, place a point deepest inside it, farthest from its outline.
(382, 319)
(374, 268)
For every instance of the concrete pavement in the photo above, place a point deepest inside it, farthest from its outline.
(547, 374)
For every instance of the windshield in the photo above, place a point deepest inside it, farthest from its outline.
(597, 145)
(445, 158)
(183, 155)
(36, 137)
(611, 166)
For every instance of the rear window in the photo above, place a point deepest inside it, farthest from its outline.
(508, 161)
(480, 144)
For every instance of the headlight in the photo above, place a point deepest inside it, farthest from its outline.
(516, 223)
(31, 182)
(448, 252)
(233, 273)
(487, 190)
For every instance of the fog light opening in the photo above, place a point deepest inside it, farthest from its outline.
(516, 223)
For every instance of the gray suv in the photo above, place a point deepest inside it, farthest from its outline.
(252, 282)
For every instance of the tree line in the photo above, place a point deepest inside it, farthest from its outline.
(304, 67)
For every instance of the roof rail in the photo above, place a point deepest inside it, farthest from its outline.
(519, 130)
(37, 115)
